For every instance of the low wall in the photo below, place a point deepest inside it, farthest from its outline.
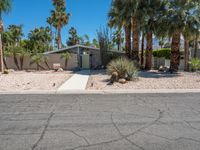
(164, 62)
(52, 59)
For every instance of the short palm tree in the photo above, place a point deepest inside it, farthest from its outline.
(5, 6)
(37, 59)
(66, 56)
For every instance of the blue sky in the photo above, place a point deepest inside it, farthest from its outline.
(87, 15)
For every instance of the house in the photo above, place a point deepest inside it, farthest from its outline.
(83, 57)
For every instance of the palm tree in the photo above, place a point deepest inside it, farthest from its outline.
(66, 56)
(152, 10)
(37, 59)
(5, 6)
(174, 22)
(135, 8)
(142, 51)
(74, 38)
(59, 18)
(121, 19)
(40, 39)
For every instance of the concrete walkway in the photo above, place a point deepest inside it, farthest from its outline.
(76, 82)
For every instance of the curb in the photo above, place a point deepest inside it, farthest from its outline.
(103, 92)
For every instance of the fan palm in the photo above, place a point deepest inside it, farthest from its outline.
(66, 56)
(59, 18)
(5, 6)
(174, 22)
(152, 9)
(118, 18)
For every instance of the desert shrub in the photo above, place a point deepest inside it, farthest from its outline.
(195, 64)
(164, 52)
(124, 67)
(6, 71)
(111, 56)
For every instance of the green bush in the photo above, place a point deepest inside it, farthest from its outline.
(124, 67)
(164, 52)
(195, 64)
(111, 56)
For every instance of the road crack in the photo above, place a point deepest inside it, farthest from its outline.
(44, 131)
(121, 138)
(126, 138)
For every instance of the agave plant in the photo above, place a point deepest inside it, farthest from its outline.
(195, 64)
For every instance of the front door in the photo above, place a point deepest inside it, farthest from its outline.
(85, 61)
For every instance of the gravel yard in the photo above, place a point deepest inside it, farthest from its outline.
(36, 80)
(147, 80)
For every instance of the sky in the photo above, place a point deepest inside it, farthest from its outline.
(86, 15)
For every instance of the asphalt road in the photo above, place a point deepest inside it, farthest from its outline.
(100, 122)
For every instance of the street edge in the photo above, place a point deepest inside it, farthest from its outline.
(69, 92)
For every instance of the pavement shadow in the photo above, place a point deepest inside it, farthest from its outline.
(150, 74)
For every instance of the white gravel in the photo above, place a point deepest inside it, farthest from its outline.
(147, 80)
(38, 80)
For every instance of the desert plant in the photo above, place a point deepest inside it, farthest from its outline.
(37, 59)
(195, 64)
(124, 67)
(66, 56)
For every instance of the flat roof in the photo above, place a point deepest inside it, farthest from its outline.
(71, 47)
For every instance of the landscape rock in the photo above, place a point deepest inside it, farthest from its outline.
(122, 81)
(60, 70)
(163, 69)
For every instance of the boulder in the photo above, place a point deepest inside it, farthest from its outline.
(60, 70)
(163, 69)
(122, 81)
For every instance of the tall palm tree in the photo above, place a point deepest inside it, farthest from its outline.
(135, 8)
(121, 19)
(59, 18)
(174, 22)
(5, 6)
(152, 9)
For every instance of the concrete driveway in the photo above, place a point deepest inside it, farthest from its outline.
(100, 122)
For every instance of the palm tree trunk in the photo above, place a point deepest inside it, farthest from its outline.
(128, 41)
(135, 39)
(175, 52)
(5, 64)
(196, 46)
(149, 50)
(59, 38)
(142, 51)
(21, 58)
(186, 53)
(1, 54)
(16, 61)
(47, 64)
(66, 64)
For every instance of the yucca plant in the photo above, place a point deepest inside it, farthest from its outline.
(124, 67)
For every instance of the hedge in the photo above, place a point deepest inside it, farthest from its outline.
(165, 52)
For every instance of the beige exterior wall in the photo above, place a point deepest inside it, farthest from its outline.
(52, 59)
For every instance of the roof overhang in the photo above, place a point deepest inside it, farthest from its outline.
(70, 48)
